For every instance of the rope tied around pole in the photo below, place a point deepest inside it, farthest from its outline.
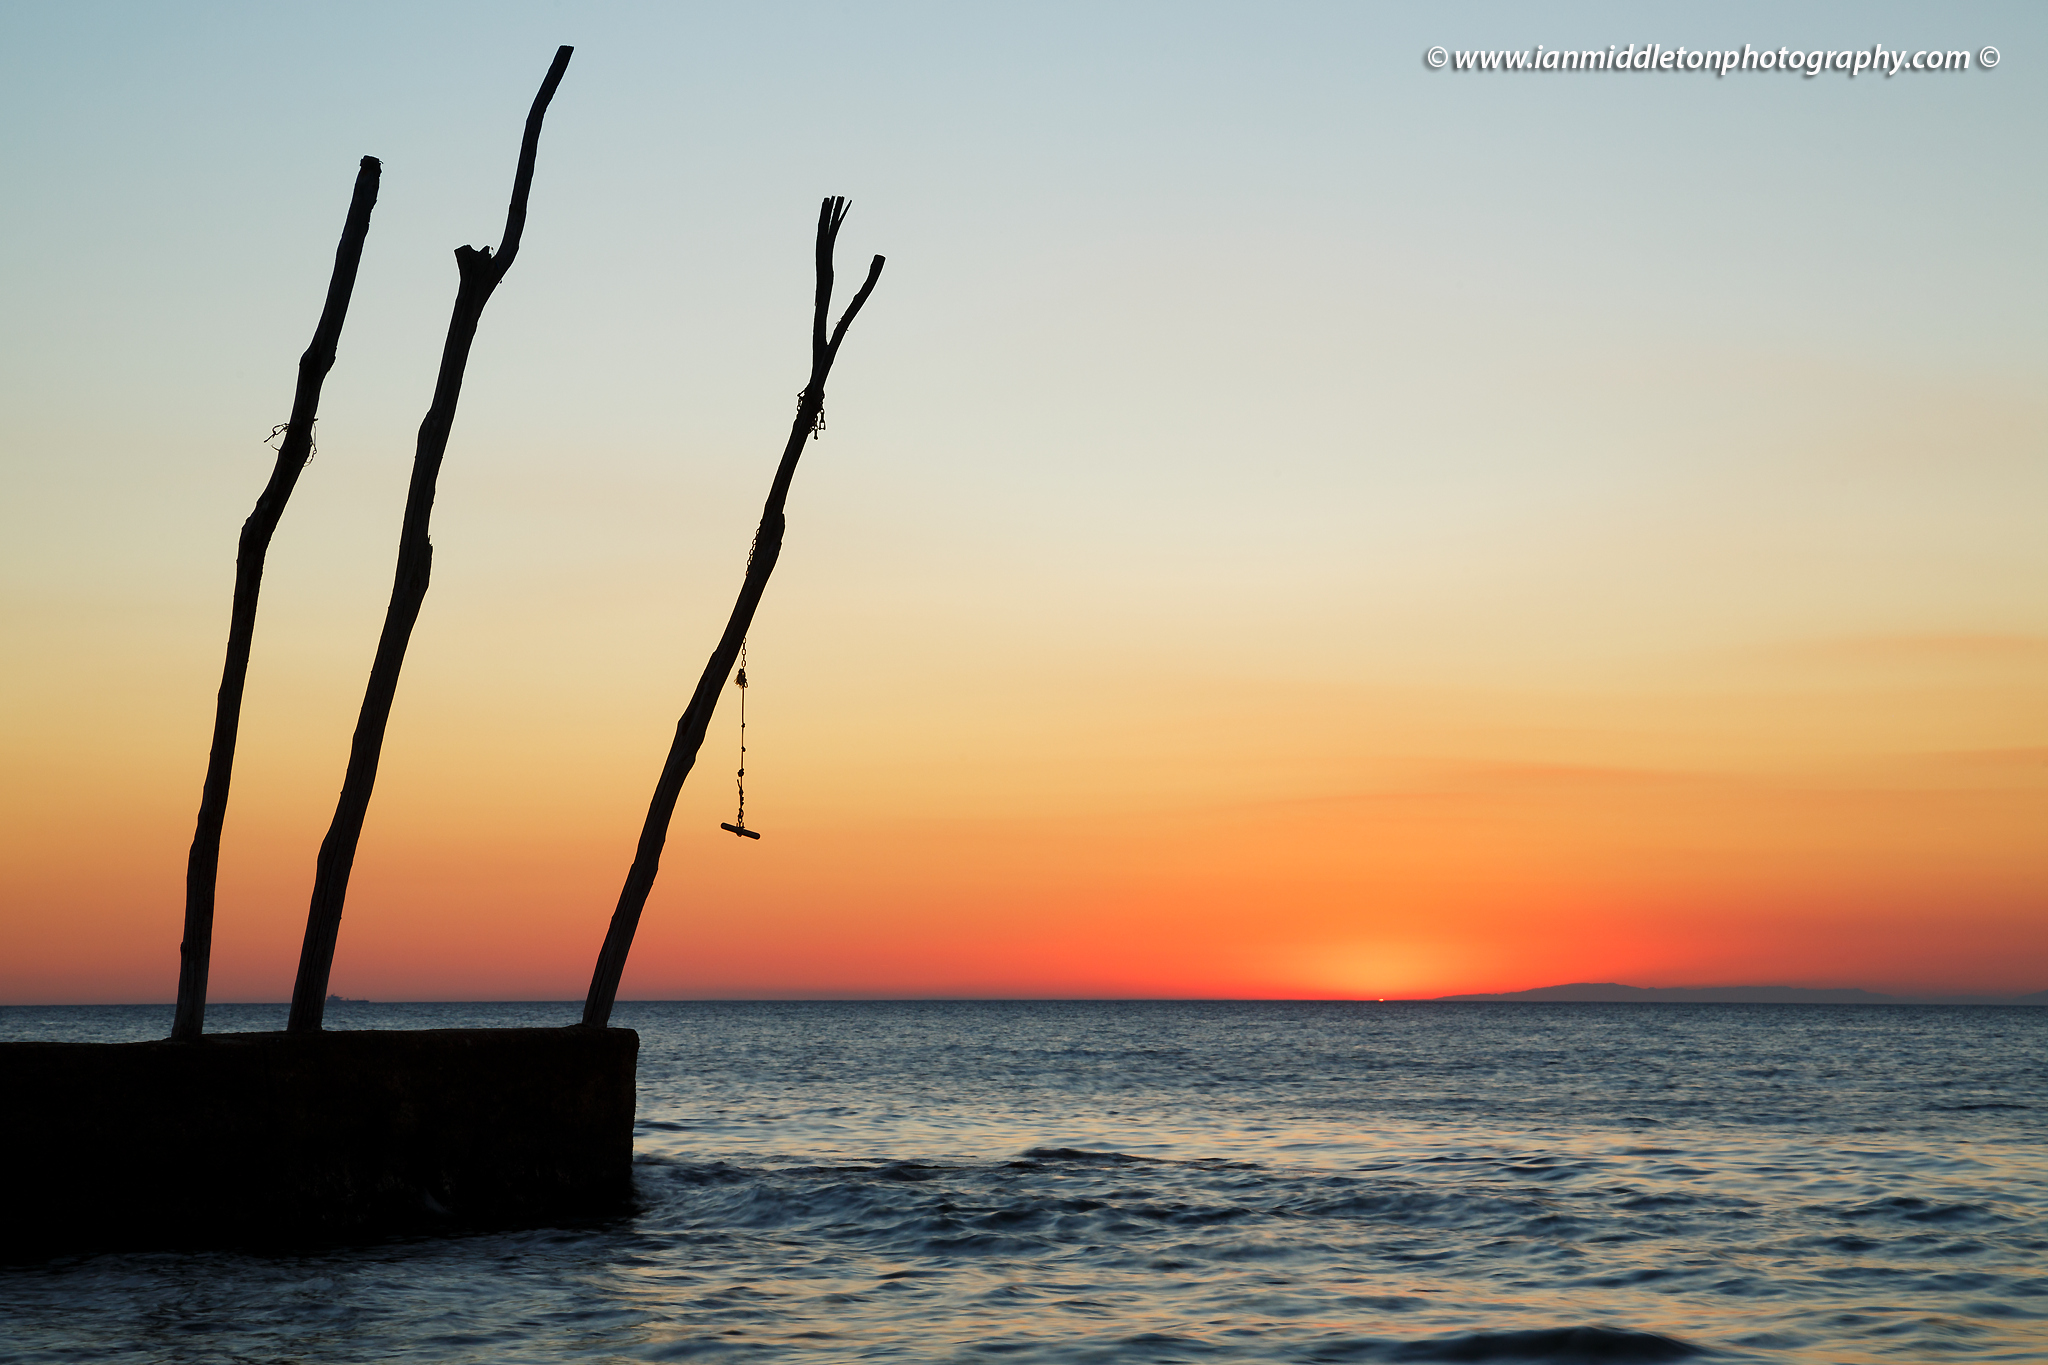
(275, 440)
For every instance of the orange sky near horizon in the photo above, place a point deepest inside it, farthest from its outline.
(1291, 522)
(1427, 844)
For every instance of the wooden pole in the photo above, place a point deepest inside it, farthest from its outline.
(682, 753)
(202, 864)
(480, 273)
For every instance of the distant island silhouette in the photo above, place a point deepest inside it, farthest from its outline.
(1602, 992)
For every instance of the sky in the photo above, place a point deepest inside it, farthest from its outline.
(1292, 522)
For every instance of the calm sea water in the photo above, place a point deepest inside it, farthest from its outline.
(1201, 1182)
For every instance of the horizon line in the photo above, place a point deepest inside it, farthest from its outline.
(1453, 998)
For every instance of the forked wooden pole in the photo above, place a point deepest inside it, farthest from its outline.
(682, 753)
(480, 274)
(202, 864)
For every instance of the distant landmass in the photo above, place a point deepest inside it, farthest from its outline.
(1594, 992)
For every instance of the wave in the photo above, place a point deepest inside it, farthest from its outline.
(1561, 1344)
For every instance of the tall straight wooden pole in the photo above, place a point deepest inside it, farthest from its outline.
(202, 864)
(682, 753)
(480, 274)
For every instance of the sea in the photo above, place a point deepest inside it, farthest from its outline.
(1154, 1181)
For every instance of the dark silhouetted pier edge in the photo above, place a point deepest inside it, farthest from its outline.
(242, 1139)
(202, 865)
(480, 273)
(682, 753)
(306, 1137)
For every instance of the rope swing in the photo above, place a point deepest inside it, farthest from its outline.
(739, 825)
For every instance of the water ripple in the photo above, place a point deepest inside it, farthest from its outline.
(1171, 1182)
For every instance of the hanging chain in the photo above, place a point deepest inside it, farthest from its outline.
(740, 780)
(739, 821)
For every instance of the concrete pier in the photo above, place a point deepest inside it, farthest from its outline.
(282, 1140)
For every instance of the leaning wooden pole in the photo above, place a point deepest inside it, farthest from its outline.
(480, 273)
(202, 864)
(682, 753)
